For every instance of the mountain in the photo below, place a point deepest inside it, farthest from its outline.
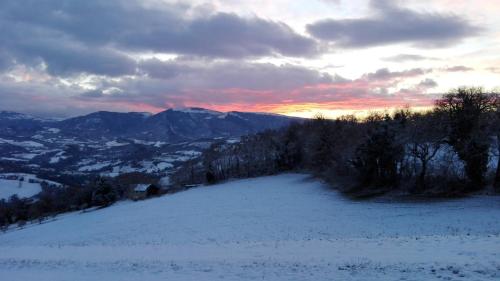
(18, 124)
(171, 125)
(193, 123)
(103, 124)
(113, 143)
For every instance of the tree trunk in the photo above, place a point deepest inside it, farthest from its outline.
(497, 176)
(420, 184)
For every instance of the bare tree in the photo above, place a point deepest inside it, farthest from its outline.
(425, 138)
(496, 132)
(466, 110)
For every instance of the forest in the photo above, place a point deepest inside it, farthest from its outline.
(449, 150)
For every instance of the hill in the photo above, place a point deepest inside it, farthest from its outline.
(285, 227)
(172, 125)
(113, 143)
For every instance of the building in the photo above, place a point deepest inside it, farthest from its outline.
(143, 191)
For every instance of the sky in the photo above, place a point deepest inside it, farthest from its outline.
(62, 58)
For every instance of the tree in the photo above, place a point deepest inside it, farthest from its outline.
(321, 144)
(293, 148)
(378, 157)
(104, 194)
(4, 215)
(20, 208)
(496, 133)
(466, 109)
(425, 138)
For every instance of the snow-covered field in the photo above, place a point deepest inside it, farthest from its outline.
(21, 189)
(285, 227)
(28, 187)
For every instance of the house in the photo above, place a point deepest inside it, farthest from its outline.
(143, 191)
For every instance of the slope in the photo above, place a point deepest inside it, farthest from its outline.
(285, 227)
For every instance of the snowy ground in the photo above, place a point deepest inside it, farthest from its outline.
(20, 188)
(28, 187)
(284, 227)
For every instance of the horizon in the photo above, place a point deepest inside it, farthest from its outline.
(331, 57)
(361, 115)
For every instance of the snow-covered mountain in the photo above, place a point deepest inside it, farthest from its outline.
(172, 125)
(113, 143)
(18, 124)
(193, 123)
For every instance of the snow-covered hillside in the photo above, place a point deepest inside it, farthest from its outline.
(22, 185)
(20, 188)
(285, 227)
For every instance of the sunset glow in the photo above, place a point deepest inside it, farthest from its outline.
(328, 57)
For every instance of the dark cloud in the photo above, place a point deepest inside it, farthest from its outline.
(92, 94)
(427, 84)
(73, 57)
(250, 85)
(234, 74)
(156, 68)
(5, 61)
(408, 57)
(97, 37)
(219, 85)
(391, 25)
(457, 68)
(49, 98)
(385, 74)
(227, 35)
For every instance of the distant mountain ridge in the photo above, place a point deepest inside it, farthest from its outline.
(171, 125)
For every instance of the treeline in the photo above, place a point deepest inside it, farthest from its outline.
(52, 200)
(450, 150)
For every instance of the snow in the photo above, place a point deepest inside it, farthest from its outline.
(146, 114)
(22, 143)
(286, 227)
(9, 115)
(196, 110)
(13, 159)
(193, 153)
(54, 130)
(94, 167)
(164, 165)
(57, 158)
(30, 186)
(164, 181)
(141, 187)
(23, 189)
(114, 143)
(153, 143)
(27, 156)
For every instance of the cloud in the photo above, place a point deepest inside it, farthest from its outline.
(73, 57)
(457, 68)
(233, 74)
(230, 85)
(494, 69)
(401, 58)
(99, 37)
(427, 84)
(385, 74)
(260, 87)
(392, 24)
(336, 2)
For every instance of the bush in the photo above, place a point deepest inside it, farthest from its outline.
(104, 194)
